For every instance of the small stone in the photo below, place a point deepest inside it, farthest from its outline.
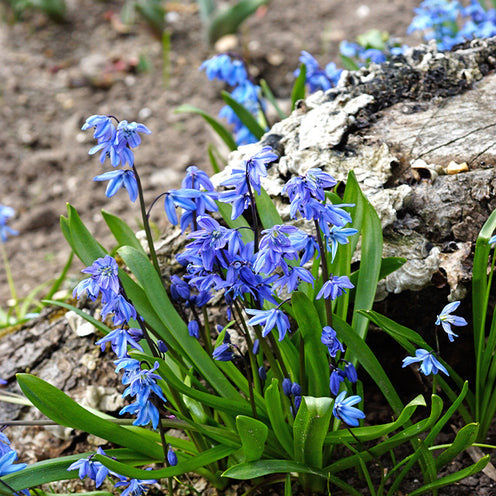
(227, 43)
(275, 58)
(79, 325)
(455, 168)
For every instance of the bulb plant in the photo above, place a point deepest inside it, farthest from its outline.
(269, 387)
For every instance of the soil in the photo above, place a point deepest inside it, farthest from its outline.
(53, 76)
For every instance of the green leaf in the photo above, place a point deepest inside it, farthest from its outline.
(465, 437)
(370, 263)
(253, 434)
(244, 115)
(221, 130)
(149, 280)
(348, 63)
(266, 209)
(246, 471)
(213, 160)
(85, 246)
(316, 361)
(298, 91)
(228, 20)
(57, 406)
(277, 417)
(368, 361)
(270, 96)
(310, 428)
(185, 464)
(453, 478)
(154, 14)
(121, 231)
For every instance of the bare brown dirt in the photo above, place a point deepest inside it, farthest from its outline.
(53, 76)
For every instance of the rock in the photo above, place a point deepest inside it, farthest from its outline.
(398, 127)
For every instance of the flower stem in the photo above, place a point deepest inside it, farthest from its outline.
(10, 280)
(146, 224)
(254, 214)
(325, 271)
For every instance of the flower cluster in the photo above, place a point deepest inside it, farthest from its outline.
(450, 23)
(318, 78)
(5, 214)
(334, 347)
(116, 144)
(142, 384)
(429, 364)
(233, 71)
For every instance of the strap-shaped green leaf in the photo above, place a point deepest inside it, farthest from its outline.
(185, 464)
(272, 99)
(86, 316)
(253, 435)
(245, 471)
(267, 211)
(85, 246)
(453, 478)
(368, 361)
(464, 438)
(228, 20)
(244, 115)
(277, 417)
(121, 231)
(60, 408)
(298, 91)
(310, 428)
(316, 361)
(221, 130)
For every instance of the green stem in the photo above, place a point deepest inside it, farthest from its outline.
(146, 224)
(10, 280)
(325, 271)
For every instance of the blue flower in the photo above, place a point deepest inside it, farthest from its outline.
(87, 467)
(316, 77)
(5, 214)
(134, 487)
(195, 178)
(223, 353)
(335, 380)
(329, 338)
(194, 329)
(179, 198)
(344, 410)
(334, 287)
(222, 67)
(104, 127)
(117, 179)
(7, 460)
(252, 169)
(105, 273)
(269, 319)
(128, 134)
(446, 320)
(171, 457)
(338, 236)
(429, 363)
(120, 339)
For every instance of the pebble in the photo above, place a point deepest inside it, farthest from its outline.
(455, 168)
